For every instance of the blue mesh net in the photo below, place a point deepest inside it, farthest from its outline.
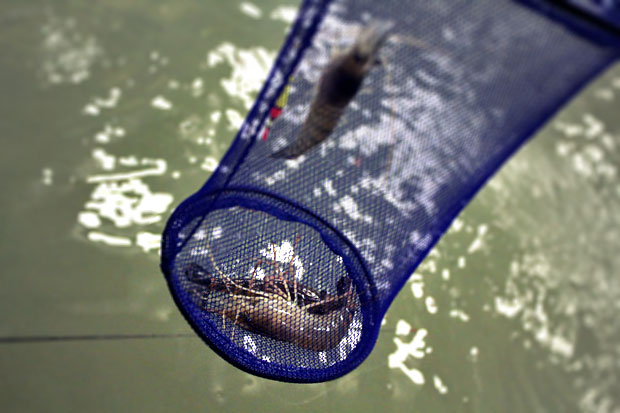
(287, 267)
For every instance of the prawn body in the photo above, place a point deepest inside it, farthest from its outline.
(280, 309)
(338, 85)
(274, 316)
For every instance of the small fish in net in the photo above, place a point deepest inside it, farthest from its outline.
(338, 85)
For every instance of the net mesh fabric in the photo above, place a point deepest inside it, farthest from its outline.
(287, 267)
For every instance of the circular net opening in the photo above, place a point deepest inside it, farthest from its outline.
(268, 293)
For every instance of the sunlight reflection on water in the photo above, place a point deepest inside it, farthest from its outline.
(121, 203)
(67, 54)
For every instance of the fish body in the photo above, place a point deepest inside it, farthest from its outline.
(338, 85)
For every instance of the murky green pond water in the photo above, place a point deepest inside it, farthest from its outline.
(113, 112)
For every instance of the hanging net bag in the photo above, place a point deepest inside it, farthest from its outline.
(287, 259)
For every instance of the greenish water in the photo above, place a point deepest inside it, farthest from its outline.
(113, 112)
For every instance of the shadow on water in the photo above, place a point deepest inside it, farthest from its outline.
(117, 111)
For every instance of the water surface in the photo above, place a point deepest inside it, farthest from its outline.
(114, 113)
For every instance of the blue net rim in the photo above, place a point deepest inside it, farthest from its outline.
(197, 207)
(588, 18)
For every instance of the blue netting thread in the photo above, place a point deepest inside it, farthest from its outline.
(286, 268)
